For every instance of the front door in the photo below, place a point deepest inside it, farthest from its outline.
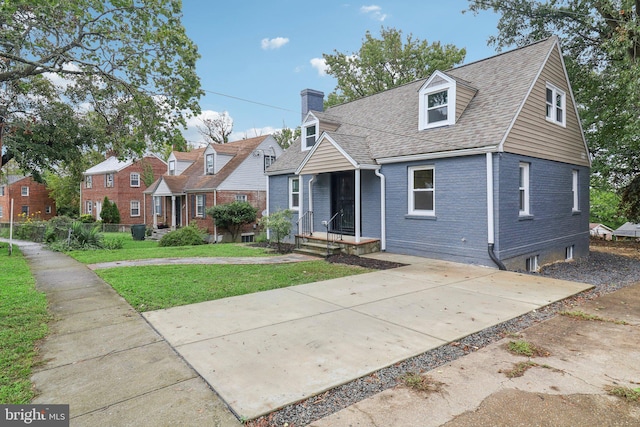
(343, 199)
(178, 202)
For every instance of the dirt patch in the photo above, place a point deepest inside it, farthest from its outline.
(376, 264)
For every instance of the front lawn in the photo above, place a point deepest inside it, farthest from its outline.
(23, 321)
(149, 288)
(145, 249)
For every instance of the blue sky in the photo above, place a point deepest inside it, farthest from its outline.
(266, 52)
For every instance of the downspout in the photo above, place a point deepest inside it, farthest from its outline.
(358, 205)
(267, 201)
(490, 214)
(383, 210)
(311, 201)
(300, 203)
(215, 226)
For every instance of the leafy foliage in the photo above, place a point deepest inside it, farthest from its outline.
(279, 223)
(185, 236)
(630, 200)
(109, 213)
(127, 65)
(601, 43)
(285, 136)
(604, 208)
(387, 62)
(233, 216)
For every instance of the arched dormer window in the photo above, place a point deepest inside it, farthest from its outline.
(437, 103)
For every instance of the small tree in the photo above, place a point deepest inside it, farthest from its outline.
(109, 213)
(233, 216)
(280, 225)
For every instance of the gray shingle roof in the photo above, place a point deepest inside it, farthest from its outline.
(388, 121)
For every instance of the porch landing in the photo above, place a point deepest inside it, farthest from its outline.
(320, 244)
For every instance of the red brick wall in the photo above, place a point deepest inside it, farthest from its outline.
(38, 200)
(122, 193)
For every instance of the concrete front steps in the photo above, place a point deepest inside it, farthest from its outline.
(316, 245)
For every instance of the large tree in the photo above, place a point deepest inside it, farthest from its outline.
(216, 130)
(387, 62)
(286, 136)
(601, 46)
(128, 64)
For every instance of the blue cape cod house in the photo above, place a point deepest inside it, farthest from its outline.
(485, 164)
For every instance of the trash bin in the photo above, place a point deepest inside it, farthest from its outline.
(138, 231)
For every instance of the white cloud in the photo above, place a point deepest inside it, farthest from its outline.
(374, 11)
(319, 64)
(275, 43)
(61, 81)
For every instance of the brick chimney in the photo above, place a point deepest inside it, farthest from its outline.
(311, 100)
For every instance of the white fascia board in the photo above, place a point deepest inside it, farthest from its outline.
(438, 155)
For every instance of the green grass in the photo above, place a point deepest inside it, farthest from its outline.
(524, 348)
(23, 321)
(145, 249)
(162, 286)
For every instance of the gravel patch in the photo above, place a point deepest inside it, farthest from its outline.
(604, 268)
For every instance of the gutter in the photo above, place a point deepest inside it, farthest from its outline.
(490, 214)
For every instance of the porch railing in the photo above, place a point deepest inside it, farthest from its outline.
(305, 224)
(334, 227)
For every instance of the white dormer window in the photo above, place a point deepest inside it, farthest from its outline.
(437, 103)
(209, 164)
(309, 133)
(172, 167)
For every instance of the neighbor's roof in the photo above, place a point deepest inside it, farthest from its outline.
(628, 229)
(112, 164)
(388, 121)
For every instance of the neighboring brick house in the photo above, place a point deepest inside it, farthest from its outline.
(123, 182)
(29, 197)
(209, 176)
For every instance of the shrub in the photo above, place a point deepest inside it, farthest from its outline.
(109, 213)
(87, 218)
(279, 223)
(233, 216)
(113, 243)
(186, 236)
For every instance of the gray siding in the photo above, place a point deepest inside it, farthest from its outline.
(370, 192)
(279, 198)
(458, 232)
(552, 225)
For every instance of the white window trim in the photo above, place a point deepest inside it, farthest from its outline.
(131, 203)
(24, 191)
(423, 120)
(291, 193)
(1, 190)
(157, 203)
(88, 207)
(556, 91)
(241, 198)
(108, 181)
(527, 208)
(575, 174)
(568, 252)
(207, 170)
(1, 212)
(88, 181)
(47, 209)
(172, 167)
(314, 123)
(200, 205)
(131, 179)
(411, 189)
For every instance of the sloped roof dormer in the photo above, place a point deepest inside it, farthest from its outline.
(310, 131)
(437, 101)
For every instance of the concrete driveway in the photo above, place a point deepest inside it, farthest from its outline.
(266, 350)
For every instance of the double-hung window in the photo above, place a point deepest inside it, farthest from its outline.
(88, 208)
(556, 105)
(209, 164)
(241, 197)
(157, 205)
(134, 179)
(294, 193)
(524, 189)
(134, 208)
(268, 161)
(172, 167)
(108, 180)
(437, 102)
(574, 190)
(422, 190)
(310, 135)
(88, 181)
(200, 205)
(1, 190)
(24, 190)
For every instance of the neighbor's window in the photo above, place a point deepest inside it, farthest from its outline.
(1, 190)
(157, 205)
(200, 205)
(556, 101)
(88, 207)
(108, 180)
(172, 167)
(209, 164)
(47, 209)
(25, 210)
(574, 190)
(268, 161)
(241, 197)
(294, 193)
(524, 189)
(422, 190)
(24, 190)
(134, 179)
(1, 212)
(88, 181)
(134, 207)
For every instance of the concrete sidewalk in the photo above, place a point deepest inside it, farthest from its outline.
(104, 360)
(263, 351)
